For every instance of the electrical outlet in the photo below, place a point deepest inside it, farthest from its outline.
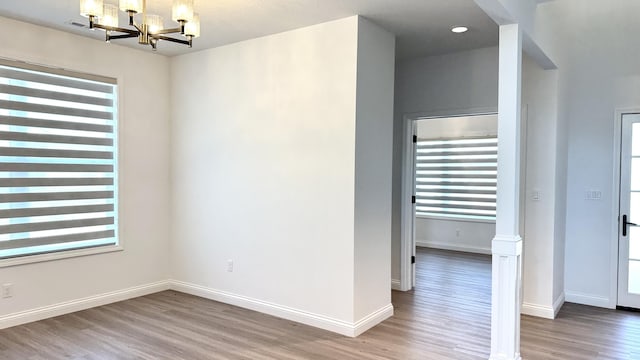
(593, 194)
(229, 265)
(535, 195)
(7, 291)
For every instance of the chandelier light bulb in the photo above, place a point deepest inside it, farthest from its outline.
(155, 23)
(91, 8)
(182, 10)
(132, 6)
(109, 16)
(192, 28)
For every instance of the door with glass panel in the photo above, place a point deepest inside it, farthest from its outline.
(629, 232)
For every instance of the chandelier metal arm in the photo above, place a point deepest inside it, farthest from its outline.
(116, 37)
(94, 25)
(129, 32)
(137, 27)
(170, 31)
(167, 38)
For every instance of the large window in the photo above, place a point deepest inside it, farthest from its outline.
(58, 185)
(456, 178)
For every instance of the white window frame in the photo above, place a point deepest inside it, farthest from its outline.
(76, 252)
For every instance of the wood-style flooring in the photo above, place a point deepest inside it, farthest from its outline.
(446, 317)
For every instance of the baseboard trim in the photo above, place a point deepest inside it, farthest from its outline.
(372, 320)
(396, 285)
(542, 311)
(445, 246)
(284, 312)
(557, 305)
(67, 307)
(587, 299)
(537, 310)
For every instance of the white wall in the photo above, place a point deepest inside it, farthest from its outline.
(598, 57)
(542, 246)
(470, 236)
(438, 85)
(373, 168)
(144, 172)
(559, 251)
(460, 126)
(267, 171)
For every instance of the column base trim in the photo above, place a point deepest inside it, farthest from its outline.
(503, 357)
(508, 245)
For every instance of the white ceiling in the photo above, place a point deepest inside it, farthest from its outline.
(422, 26)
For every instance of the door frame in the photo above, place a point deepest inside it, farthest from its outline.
(407, 216)
(615, 204)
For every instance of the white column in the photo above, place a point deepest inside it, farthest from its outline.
(507, 245)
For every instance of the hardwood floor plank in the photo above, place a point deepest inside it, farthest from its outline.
(446, 317)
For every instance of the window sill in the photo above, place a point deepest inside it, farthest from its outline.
(30, 259)
(445, 218)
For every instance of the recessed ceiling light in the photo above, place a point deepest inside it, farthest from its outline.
(459, 29)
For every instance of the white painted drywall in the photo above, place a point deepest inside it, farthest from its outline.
(559, 252)
(598, 56)
(373, 174)
(144, 170)
(263, 168)
(268, 158)
(541, 238)
(470, 236)
(510, 11)
(460, 126)
(438, 85)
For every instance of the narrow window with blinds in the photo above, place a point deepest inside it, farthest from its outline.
(57, 160)
(456, 178)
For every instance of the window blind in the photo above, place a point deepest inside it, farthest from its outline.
(57, 160)
(456, 178)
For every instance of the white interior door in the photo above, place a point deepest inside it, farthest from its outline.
(408, 211)
(414, 141)
(629, 232)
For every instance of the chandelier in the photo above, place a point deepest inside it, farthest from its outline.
(151, 30)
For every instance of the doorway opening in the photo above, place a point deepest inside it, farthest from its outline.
(450, 184)
(450, 178)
